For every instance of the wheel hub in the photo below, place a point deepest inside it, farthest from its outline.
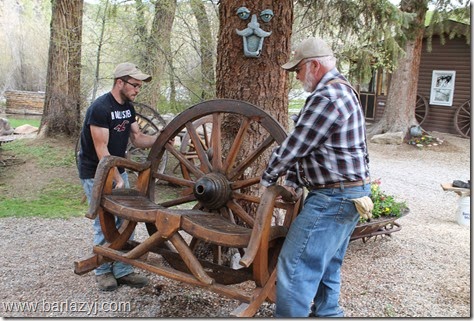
(212, 190)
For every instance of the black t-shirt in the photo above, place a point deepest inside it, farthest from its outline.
(105, 112)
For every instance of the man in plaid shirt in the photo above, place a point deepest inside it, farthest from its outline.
(327, 153)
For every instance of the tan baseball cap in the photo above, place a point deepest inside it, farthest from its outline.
(129, 69)
(312, 47)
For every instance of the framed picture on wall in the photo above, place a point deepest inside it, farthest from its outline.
(442, 87)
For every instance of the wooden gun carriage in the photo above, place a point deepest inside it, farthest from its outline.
(212, 207)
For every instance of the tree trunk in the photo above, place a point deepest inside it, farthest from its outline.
(206, 48)
(399, 114)
(159, 46)
(260, 81)
(99, 50)
(61, 113)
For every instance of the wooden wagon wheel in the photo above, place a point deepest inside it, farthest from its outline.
(421, 109)
(462, 119)
(150, 123)
(215, 180)
(148, 127)
(152, 115)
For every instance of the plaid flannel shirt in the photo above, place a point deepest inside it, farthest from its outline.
(328, 139)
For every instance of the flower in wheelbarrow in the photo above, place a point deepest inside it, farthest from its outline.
(384, 204)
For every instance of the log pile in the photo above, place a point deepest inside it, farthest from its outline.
(24, 102)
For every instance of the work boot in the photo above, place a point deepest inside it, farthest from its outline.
(106, 282)
(134, 280)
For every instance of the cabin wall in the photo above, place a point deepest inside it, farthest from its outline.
(454, 55)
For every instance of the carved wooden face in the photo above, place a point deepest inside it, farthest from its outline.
(253, 36)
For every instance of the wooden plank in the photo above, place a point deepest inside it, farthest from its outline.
(458, 190)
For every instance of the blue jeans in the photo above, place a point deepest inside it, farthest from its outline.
(119, 269)
(309, 264)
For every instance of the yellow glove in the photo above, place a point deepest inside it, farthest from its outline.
(364, 206)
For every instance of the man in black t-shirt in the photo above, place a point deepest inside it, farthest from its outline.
(108, 124)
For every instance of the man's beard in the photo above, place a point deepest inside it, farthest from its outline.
(309, 81)
(125, 98)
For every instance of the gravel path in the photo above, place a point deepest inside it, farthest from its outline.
(421, 271)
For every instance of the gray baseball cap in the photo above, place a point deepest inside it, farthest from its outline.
(129, 69)
(312, 47)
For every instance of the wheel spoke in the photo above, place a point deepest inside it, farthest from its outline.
(206, 135)
(174, 180)
(184, 161)
(256, 200)
(227, 213)
(245, 183)
(245, 197)
(464, 126)
(216, 144)
(237, 209)
(236, 145)
(145, 127)
(198, 146)
(251, 158)
(464, 111)
(179, 201)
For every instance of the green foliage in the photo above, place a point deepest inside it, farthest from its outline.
(47, 155)
(449, 21)
(384, 204)
(365, 34)
(371, 34)
(296, 103)
(57, 200)
(14, 122)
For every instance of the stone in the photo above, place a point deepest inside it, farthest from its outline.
(26, 129)
(395, 138)
(5, 127)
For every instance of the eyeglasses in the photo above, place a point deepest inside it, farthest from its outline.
(300, 66)
(139, 86)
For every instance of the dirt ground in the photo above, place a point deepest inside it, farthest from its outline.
(422, 271)
(23, 177)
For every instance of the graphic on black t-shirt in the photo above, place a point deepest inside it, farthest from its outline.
(121, 127)
(121, 114)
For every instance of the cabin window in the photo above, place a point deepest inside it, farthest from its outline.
(442, 87)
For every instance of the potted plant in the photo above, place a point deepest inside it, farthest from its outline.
(386, 210)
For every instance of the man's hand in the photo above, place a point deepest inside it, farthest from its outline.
(291, 190)
(118, 180)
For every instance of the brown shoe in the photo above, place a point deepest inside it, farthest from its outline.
(134, 280)
(106, 282)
